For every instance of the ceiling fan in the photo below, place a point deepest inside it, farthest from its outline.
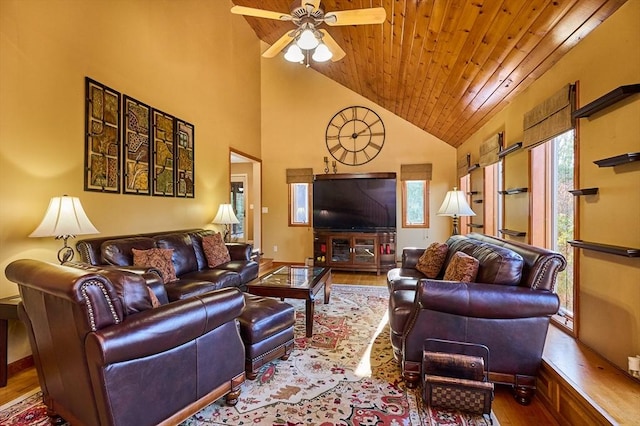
(306, 38)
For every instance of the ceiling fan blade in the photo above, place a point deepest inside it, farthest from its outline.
(314, 3)
(331, 44)
(260, 13)
(374, 15)
(279, 44)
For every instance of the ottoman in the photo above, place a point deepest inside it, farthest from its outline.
(266, 328)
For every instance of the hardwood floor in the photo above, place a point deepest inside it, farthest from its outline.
(506, 409)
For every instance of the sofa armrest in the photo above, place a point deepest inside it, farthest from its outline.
(155, 330)
(152, 276)
(485, 300)
(240, 251)
(410, 256)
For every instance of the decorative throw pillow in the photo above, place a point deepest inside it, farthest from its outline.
(157, 258)
(215, 250)
(462, 267)
(154, 299)
(432, 260)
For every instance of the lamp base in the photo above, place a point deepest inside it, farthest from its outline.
(65, 254)
(455, 225)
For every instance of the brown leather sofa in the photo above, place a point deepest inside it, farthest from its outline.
(190, 263)
(105, 356)
(508, 308)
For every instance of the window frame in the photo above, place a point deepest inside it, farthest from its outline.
(543, 168)
(292, 203)
(425, 206)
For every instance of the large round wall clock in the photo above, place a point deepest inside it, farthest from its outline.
(355, 135)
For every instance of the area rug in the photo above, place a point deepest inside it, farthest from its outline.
(343, 375)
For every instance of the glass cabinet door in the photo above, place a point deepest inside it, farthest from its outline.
(364, 250)
(340, 250)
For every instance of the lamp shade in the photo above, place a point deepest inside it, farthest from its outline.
(322, 53)
(307, 40)
(64, 217)
(455, 204)
(294, 54)
(225, 215)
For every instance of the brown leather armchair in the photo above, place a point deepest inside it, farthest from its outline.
(105, 356)
(508, 309)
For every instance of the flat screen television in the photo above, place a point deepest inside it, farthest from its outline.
(355, 204)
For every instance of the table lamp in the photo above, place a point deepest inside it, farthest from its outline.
(226, 217)
(455, 205)
(65, 218)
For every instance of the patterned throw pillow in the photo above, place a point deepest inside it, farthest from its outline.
(462, 267)
(156, 258)
(432, 260)
(215, 250)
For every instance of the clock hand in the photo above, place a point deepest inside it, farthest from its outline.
(367, 128)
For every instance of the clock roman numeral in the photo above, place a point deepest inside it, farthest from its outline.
(335, 148)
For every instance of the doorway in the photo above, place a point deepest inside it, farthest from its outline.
(246, 197)
(239, 196)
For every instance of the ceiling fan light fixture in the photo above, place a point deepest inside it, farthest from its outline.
(322, 53)
(294, 54)
(307, 40)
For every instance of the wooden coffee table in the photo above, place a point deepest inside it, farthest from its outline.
(295, 282)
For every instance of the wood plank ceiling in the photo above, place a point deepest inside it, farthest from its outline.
(447, 66)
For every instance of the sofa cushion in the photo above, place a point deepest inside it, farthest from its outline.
(157, 258)
(184, 256)
(118, 251)
(462, 267)
(430, 263)
(196, 240)
(498, 265)
(215, 250)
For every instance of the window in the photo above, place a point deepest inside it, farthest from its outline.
(415, 204)
(415, 194)
(464, 221)
(299, 202)
(552, 215)
(490, 200)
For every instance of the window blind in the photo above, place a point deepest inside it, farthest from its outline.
(462, 166)
(300, 175)
(550, 118)
(489, 150)
(415, 171)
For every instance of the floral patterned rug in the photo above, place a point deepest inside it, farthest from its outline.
(343, 375)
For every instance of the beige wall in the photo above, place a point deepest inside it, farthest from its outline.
(609, 299)
(189, 58)
(297, 104)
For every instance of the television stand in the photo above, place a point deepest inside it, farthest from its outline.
(355, 250)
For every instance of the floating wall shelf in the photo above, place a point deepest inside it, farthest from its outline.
(513, 233)
(606, 248)
(609, 99)
(585, 191)
(512, 191)
(508, 150)
(475, 225)
(618, 159)
(473, 167)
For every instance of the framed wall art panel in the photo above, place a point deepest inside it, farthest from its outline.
(163, 148)
(136, 154)
(102, 138)
(185, 171)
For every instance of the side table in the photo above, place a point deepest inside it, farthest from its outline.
(8, 310)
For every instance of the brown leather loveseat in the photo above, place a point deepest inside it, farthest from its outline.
(105, 356)
(189, 260)
(508, 308)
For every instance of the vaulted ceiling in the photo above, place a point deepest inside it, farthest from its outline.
(447, 66)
